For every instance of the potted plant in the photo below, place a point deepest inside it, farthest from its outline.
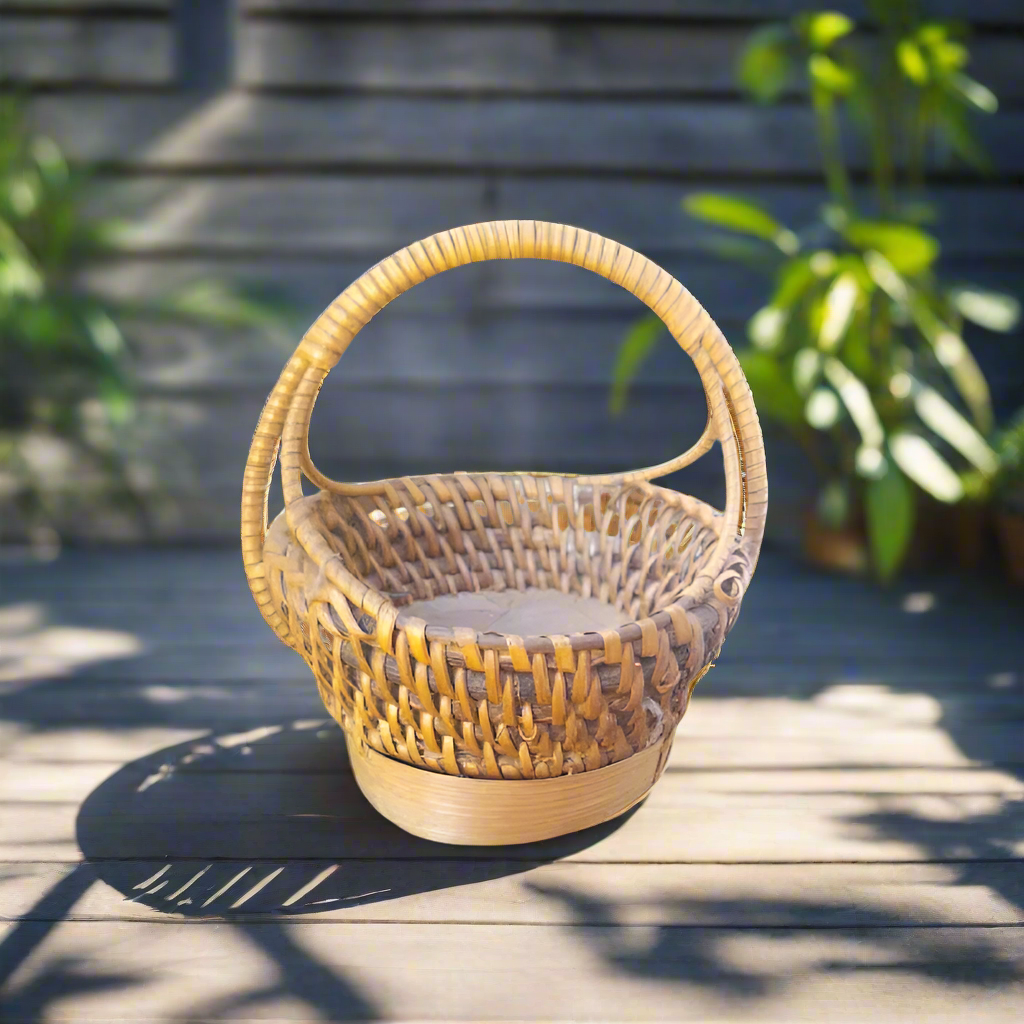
(69, 417)
(859, 353)
(1008, 498)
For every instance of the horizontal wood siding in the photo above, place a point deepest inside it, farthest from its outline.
(97, 51)
(555, 57)
(352, 127)
(980, 11)
(268, 132)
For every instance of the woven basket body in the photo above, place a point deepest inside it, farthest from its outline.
(488, 738)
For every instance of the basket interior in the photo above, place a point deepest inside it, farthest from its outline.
(530, 612)
(614, 554)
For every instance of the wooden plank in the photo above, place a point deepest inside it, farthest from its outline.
(429, 349)
(970, 756)
(85, 6)
(236, 815)
(370, 215)
(486, 292)
(852, 737)
(254, 131)
(525, 893)
(983, 11)
(523, 57)
(312, 971)
(526, 322)
(503, 426)
(93, 51)
(498, 428)
(580, 57)
(46, 781)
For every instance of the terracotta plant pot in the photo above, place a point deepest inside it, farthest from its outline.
(1010, 528)
(842, 550)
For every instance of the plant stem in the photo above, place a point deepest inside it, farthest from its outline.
(881, 153)
(831, 147)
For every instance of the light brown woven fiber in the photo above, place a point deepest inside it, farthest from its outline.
(332, 573)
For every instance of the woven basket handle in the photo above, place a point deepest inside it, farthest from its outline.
(284, 425)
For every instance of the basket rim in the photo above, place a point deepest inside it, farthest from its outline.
(283, 427)
(631, 632)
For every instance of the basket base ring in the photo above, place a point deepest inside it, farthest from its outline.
(496, 812)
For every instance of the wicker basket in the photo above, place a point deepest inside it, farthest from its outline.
(486, 738)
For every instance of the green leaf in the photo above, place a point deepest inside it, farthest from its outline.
(822, 28)
(869, 462)
(765, 64)
(996, 311)
(766, 328)
(941, 417)
(774, 396)
(954, 128)
(635, 348)
(956, 359)
(104, 334)
(911, 61)
(908, 249)
(830, 76)
(752, 253)
(806, 369)
(823, 263)
(19, 274)
(926, 467)
(23, 193)
(793, 280)
(840, 302)
(889, 511)
(933, 33)
(974, 93)
(822, 409)
(742, 216)
(949, 56)
(215, 304)
(50, 160)
(117, 402)
(857, 400)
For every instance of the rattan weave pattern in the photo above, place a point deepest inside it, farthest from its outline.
(332, 572)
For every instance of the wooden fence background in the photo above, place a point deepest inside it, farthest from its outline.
(293, 143)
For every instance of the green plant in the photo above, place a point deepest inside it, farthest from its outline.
(1008, 485)
(859, 352)
(69, 409)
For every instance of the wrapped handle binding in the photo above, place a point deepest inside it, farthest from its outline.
(283, 429)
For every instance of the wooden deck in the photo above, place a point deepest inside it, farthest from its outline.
(839, 835)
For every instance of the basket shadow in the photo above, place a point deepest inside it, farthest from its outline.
(271, 821)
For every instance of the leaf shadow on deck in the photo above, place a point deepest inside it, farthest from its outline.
(702, 951)
(250, 871)
(976, 621)
(984, 644)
